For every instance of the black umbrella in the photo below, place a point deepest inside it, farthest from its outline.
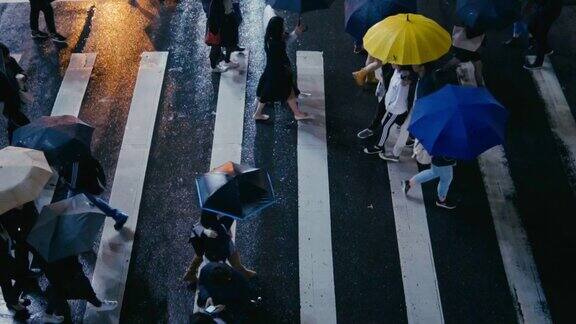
(235, 190)
(63, 139)
(300, 6)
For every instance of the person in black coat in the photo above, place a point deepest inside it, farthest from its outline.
(8, 270)
(10, 92)
(225, 286)
(222, 21)
(277, 81)
(545, 13)
(212, 239)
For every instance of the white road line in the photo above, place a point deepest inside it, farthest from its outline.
(559, 115)
(111, 269)
(525, 287)
(521, 272)
(317, 296)
(229, 124)
(423, 304)
(74, 84)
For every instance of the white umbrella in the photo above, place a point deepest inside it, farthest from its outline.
(65, 228)
(23, 174)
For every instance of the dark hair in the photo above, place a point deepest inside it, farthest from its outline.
(209, 219)
(4, 49)
(221, 275)
(201, 318)
(275, 29)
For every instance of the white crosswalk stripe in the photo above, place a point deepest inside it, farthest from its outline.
(111, 269)
(317, 296)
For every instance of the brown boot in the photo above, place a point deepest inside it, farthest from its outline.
(360, 77)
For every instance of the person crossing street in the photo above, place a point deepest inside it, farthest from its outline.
(44, 6)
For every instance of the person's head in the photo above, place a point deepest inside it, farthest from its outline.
(221, 275)
(201, 318)
(275, 29)
(209, 219)
(5, 51)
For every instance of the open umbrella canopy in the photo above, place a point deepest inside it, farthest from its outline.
(483, 15)
(235, 190)
(300, 6)
(459, 122)
(360, 15)
(64, 139)
(407, 39)
(23, 174)
(65, 228)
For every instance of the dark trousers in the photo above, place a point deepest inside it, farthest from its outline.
(9, 292)
(216, 55)
(16, 119)
(377, 120)
(539, 28)
(46, 7)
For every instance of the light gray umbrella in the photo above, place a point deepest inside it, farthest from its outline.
(66, 228)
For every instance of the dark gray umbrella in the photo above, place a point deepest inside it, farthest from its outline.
(63, 139)
(235, 190)
(65, 228)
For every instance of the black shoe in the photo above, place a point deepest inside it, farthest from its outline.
(406, 186)
(514, 41)
(38, 34)
(374, 149)
(33, 273)
(410, 142)
(532, 66)
(445, 204)
(57, 38)
(121, 221)
(238, 49)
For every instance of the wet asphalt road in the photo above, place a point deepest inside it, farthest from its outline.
(367, 274)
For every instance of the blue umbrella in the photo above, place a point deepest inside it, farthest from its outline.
(483, 15)
(459, 122)
(300, 6)
(235, 190)
(360, 15)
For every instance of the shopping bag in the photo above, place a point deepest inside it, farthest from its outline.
(212, 39)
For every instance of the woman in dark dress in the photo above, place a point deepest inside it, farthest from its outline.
(276, 83)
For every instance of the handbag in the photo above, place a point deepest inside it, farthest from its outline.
(212, 39)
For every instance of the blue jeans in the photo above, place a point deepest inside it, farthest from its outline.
(445, 173)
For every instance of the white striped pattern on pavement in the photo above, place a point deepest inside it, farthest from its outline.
(229, 124)
(317, 296)
(560, 117)
(423, 304)
(111, 269)
(521, 272)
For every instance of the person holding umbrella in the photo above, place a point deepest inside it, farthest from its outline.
(277, 81)
(211, 239)
(7, 273)
(10, 92)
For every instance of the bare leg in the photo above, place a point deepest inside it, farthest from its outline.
(258, 115)
(191, 274)
(235, 262)
(293, 104)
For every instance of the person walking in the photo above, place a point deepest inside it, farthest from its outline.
(442, 168)
(212, 239)
(222, 31)
(396, 104)
(10, 91)
(277, 83)
(67, 281)
(7, 273)
(44, 6)
(545, 14)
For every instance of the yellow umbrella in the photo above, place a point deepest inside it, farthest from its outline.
(23, 174)
(407, 39)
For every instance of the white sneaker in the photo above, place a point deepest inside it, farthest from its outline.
(220, 68)
(107, 305)
(50, 318)
(233, 65)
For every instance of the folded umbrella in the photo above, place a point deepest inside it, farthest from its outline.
(235, 190)
(407, 39)
(65, 228)
(459, 122)
(360, 15)
(23, 174)
(483, 15)
(64, 139)
(300, 6)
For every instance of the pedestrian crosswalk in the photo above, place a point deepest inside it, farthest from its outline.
(318, 298)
